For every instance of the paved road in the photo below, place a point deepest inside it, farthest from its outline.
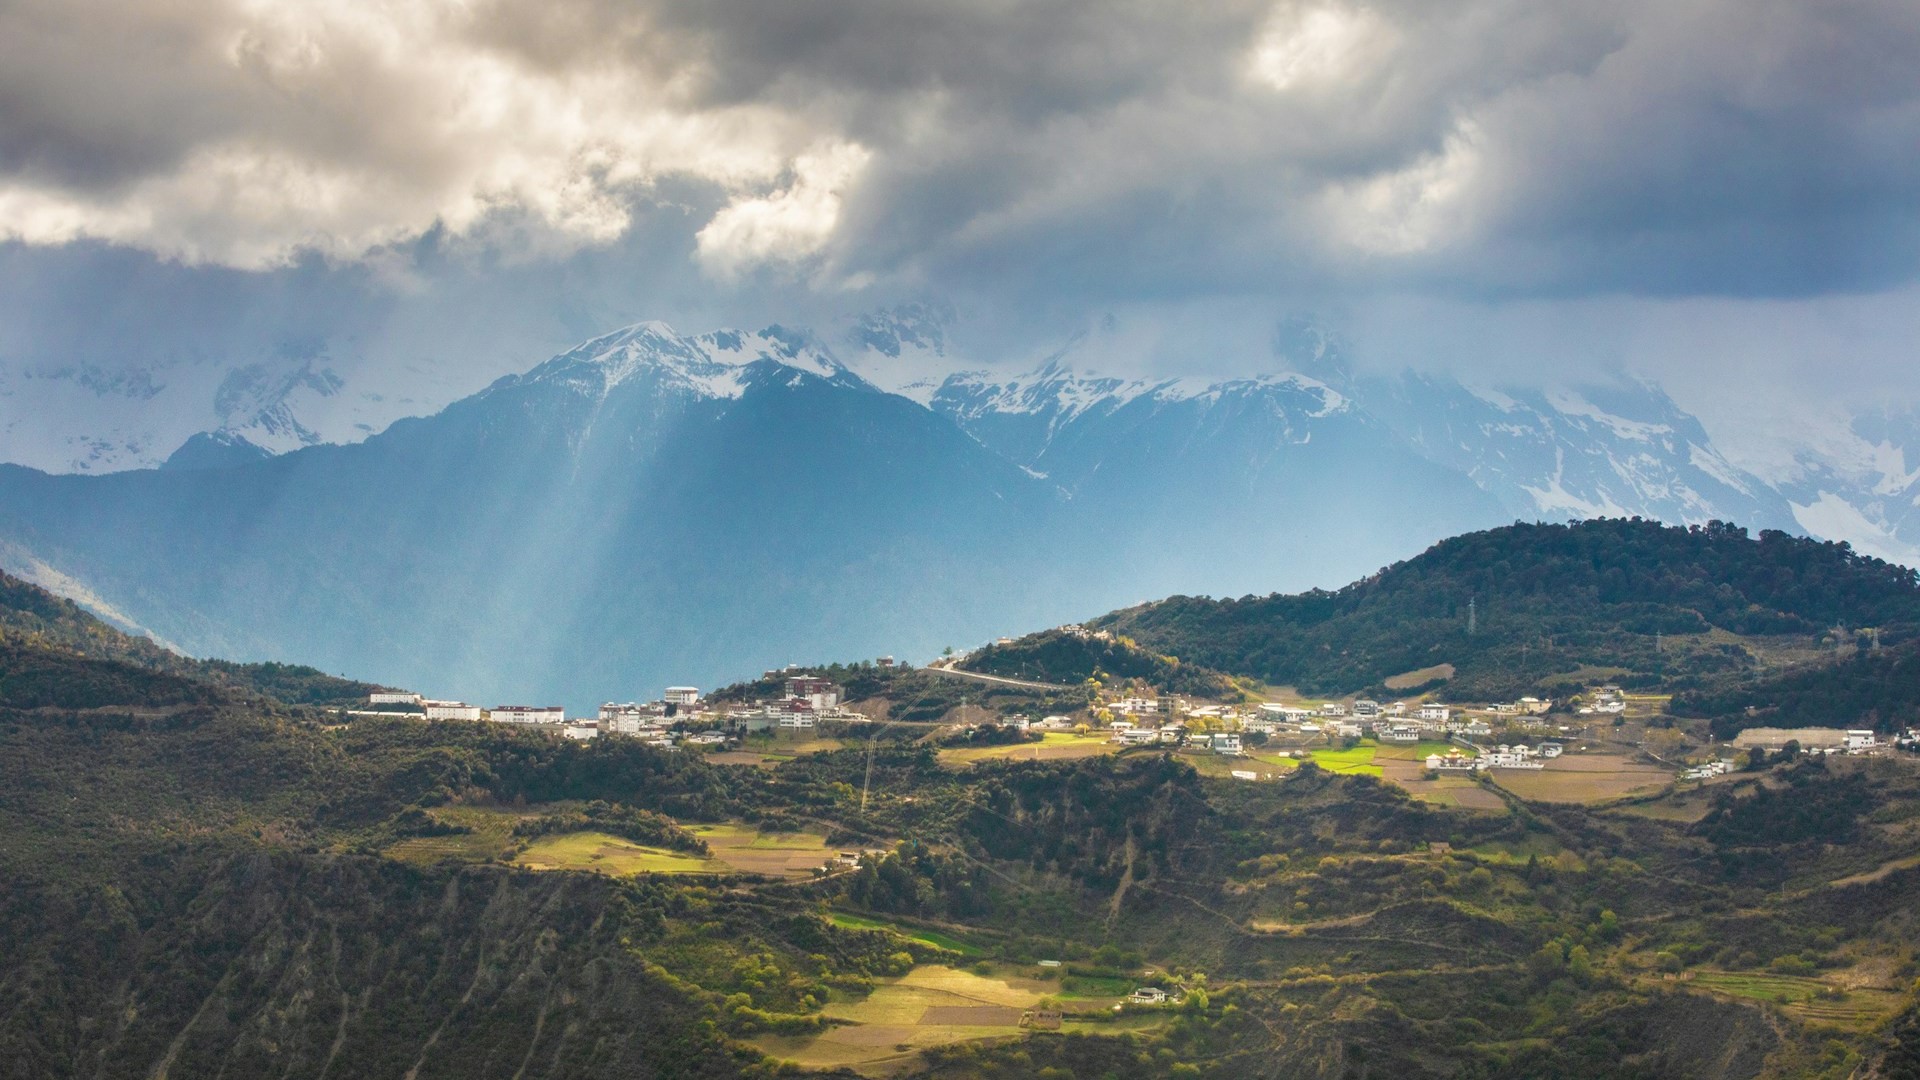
(1024, 684)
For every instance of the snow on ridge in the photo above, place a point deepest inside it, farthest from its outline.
(1831, 517)
(1571, 403)
(712, 365)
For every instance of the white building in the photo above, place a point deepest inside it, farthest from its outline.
(451, 710)
(682, 695)
(820, 694)
(1398, 732)
(1436, 712)
(582, 729)
(1858, 739)
(1333, 708)
(1365, 709)
(527, 714)
(393, 697)
(1551, 749)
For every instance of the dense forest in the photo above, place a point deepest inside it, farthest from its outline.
(1515, 609)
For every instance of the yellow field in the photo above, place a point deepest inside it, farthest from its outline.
(607, 854)
(733, 848)
(748, 850)
(1053, 746)
(929, 1006)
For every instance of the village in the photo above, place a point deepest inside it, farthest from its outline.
(1418, 743)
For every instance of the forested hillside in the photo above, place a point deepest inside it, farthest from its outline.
(33, 616)
(1512, 608)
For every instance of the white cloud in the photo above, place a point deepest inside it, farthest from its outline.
(785, 226)
(1320, 45)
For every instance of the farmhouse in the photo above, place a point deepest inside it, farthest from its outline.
(1149, 995)
(1400, 731)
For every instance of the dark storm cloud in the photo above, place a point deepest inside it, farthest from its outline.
(1060, 154)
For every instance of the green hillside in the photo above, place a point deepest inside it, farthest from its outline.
(196, 881)
(33, 616)
(1528, 607)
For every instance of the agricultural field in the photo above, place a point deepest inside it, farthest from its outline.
(1807, 999)
(746, 849)
(606, 854)
(1053, 746)
(914, 933)
(931, 1005)
(1585, 778)
(1418, 678)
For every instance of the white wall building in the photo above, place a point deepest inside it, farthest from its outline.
(451, 710)
(682, 695)
(527, 714)
(393, 697)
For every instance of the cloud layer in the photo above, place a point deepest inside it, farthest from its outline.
(1066, 152)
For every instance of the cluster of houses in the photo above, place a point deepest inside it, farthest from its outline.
(680, 717)
(1503, 756)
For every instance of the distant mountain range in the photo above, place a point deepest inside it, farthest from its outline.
(650, 508)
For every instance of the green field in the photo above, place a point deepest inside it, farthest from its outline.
(914, 933)
(607, 854)
(1809, 999)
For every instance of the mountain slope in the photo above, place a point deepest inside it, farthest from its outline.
(1513, 608)
(644, 509)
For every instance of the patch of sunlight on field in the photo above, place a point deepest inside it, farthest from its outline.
(932, 1005)
(607, 854)
(1053, 746)
(744, 848)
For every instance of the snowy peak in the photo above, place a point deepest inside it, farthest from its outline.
(1589, 450)
(718, 365)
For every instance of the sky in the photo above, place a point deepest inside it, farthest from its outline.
(1723, 195)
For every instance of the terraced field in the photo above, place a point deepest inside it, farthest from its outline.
(1808, 999)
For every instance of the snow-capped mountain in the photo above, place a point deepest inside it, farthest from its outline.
(117, 413)
(1851, 477)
